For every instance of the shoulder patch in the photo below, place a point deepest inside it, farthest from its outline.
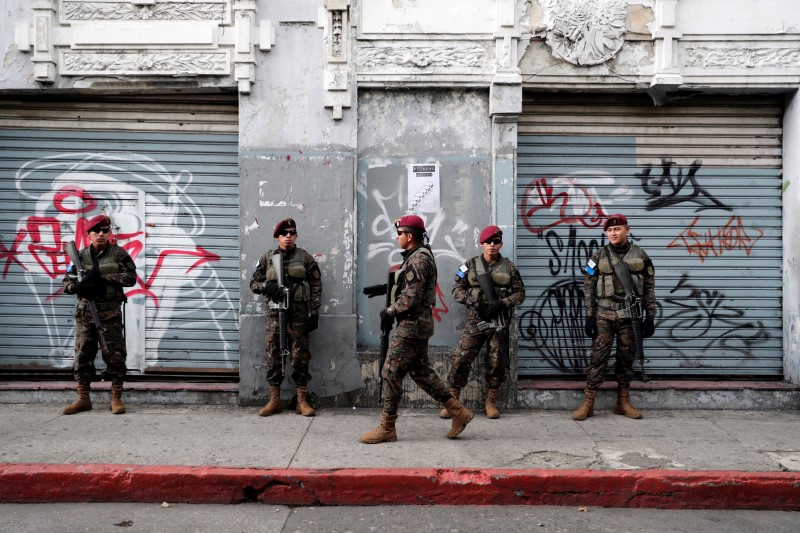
(410, 275)
(256, 265)
(651, 271)
(462, 271)
(590, 267)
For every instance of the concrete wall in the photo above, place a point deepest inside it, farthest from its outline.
(791, 245)
(17, 70)
(448, 128)
(297, 161)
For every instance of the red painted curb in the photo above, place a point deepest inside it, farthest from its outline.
(664, 489)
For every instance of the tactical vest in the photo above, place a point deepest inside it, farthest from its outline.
(608, 284)
(107, 263)
(295, 269)
(429, 299)
(500, 276)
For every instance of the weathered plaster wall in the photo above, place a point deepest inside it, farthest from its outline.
(17, 70)
(450, 128)
(296, 161)
(791, 245)
(721, 17)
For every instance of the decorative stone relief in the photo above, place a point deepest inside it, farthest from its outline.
(170, 63)
(145, 38)
(168, 10)
(742, 57)
(334, 20)
(585, 32)
(422, 57)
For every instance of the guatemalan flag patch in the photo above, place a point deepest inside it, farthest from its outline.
(590, 267)
(462, 271)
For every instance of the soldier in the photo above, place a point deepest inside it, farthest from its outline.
(303, 278)
(413, 296)
(108, 268)
(604, 315)
(484, 317)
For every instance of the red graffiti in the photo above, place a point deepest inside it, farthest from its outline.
(10, 255)
(438, 311)
(46, 246)
(731, 236)
(574, 203)
(86, 202)
(203, 255)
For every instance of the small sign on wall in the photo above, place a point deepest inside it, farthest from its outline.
(423, 187)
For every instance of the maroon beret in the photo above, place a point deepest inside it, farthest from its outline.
(286, 223)
(410, 222)
(97, 221)
(490, 232)
(615, 220)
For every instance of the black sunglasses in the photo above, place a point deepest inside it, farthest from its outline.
(104, 229)
(494, 241)
(287, 232)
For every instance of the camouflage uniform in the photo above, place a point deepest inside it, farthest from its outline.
(305, 288)
(610, 322)
(466, 291)
(118, 270)
(408, 349)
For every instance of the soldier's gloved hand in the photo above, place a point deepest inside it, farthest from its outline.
(482, 309)
(494, 310)
(313, 322)
(91, 277)
(376, 290)
(387, 320)
(273, 291)
(648, 327)
(590, 327)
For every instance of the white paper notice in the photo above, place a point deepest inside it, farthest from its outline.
(423, 188)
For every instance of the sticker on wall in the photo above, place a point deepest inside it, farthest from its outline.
(423, 188)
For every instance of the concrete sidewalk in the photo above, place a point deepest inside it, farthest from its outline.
(227, 454)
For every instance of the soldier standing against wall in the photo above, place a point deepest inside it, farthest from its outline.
(483, 318)
(604, 318)
(413, 296)
(303, 279)
(108, 268)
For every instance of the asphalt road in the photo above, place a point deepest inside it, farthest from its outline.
(179, 518)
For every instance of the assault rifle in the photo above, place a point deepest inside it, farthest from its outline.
(381, 290)
(283, 310)
(499, 324)
(633, 311)
(72, 253)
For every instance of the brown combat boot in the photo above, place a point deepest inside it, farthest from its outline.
(587, 407)
(455, 392)
(624, 406)
(303, 407)
(385, 431)
(273, 407)
(83, 403)
(461, 417)
(116, 404)
(491, 404)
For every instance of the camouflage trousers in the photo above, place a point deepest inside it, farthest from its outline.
(297, 343)
(87, 342)
(409, 356)
(470, 343)
(607, 330)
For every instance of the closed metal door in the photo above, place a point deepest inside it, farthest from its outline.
(700, 182)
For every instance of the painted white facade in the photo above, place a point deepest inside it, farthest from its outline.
(299, 68)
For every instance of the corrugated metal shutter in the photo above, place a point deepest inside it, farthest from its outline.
(166, 170)
(700, 180)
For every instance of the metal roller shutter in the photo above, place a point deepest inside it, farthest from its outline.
(166, 170)
(700, 181)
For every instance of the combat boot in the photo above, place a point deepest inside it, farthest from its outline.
(587, 407)
(303, 407)
(455, 392)
(385, 431)
(273, 407)
(83, 403)
(116, 404)
(491, 404)
(624, 406)
(461, 417)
